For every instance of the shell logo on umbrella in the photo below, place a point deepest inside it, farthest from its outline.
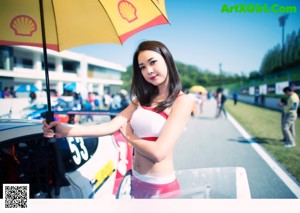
(23, 25)
(127, 11)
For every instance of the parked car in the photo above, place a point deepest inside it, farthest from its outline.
(89, 167)
(72, 167)
(38, 110)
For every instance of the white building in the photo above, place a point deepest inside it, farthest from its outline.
(25, 65)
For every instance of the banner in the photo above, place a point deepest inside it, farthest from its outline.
(280, 86)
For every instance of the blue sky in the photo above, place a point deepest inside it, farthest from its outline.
(200, 34)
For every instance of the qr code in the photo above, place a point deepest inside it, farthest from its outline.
(16, 196)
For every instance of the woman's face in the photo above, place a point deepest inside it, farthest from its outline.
(153, 67)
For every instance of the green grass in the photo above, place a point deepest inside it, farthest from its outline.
(264, 126)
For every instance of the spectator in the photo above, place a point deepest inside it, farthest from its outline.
(282, 103)
(87, 106)
(256, 97)
(91, 98)
(124, 100)
(290, 110)
(32, 97)
(107, 101)
(201, 102)
(221, 99)
(76, 105)
(262, 99)
(6, 93)
(235, 97)
(12, 92)
(115, 102)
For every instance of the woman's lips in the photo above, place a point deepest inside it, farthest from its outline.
(153, 77)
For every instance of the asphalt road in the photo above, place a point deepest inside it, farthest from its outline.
(209, 142)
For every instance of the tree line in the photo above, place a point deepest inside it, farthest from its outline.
(190, 75)
(271, 63)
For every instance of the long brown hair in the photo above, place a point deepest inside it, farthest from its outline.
(146, 92)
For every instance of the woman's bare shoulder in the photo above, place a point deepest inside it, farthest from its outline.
(183, 97)
(183, 100)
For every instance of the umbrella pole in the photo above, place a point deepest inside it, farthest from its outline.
(49, 114)
(59, 170)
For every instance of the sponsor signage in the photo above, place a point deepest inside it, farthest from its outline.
(280, 86)
(263, 89)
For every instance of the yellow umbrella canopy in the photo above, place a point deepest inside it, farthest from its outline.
(198, 88)
(70, 23)
(63, 24)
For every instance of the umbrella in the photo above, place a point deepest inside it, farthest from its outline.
(70, 87)
(77, 87)
(26, 88)
(198, 88)
(71, 23)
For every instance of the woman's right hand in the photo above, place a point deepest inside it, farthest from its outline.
(60, 130)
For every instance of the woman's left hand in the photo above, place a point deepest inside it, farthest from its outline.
(126, 131)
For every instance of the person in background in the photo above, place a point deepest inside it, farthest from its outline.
(87, 106)
(6, 93)
(282, 103)
(221, 99)
(107, 101)
(195, 105)
(201, 102)
(115, 102)
(12, 92)
(290, 117)
(256, 97)
(91, 98)
(262, 99)
(32, 97)
(124, 100)
(235, 97)
(293, 87)
(152, 123)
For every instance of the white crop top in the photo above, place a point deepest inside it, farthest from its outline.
(147, 123)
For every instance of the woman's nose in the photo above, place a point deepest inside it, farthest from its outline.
(149, 70)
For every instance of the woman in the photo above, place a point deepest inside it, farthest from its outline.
(152, 123)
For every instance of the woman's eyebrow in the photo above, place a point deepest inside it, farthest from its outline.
(150, 59)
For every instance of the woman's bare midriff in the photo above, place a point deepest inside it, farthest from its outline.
(147, 167)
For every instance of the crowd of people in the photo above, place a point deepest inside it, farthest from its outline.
(201, 97)
(118, 101)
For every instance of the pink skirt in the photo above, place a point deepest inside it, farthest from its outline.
(142, 190)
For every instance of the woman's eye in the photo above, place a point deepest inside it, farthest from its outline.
(142, 68)
(152, 62)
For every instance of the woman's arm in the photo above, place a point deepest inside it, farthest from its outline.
(89, 131)
(176, 122)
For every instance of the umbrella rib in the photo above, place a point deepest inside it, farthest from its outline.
(111, 21)
(161, 12)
